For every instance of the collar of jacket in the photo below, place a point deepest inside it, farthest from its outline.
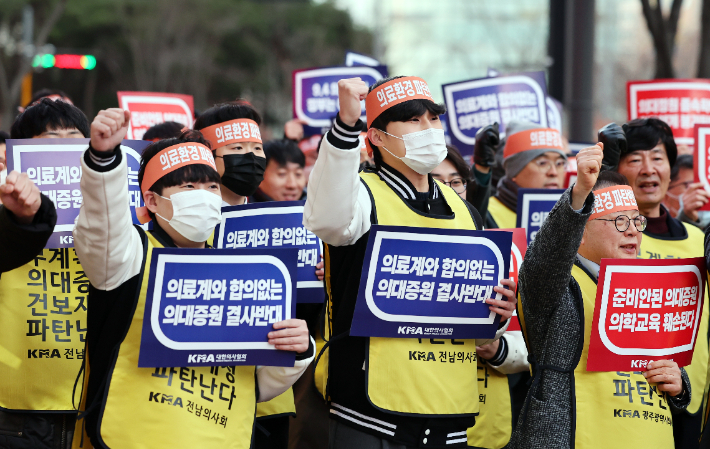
(507, 193)
(400, 184)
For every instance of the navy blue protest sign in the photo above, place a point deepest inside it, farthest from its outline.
(208, 307)
(476, 103)
(432, 283)
(534, 205)
(276, 225)
(54, 165)
(315, 93)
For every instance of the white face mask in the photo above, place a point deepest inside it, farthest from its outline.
(195, 213)
(424, 150)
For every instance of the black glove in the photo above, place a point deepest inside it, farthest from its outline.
(614, 140)
(487, 140)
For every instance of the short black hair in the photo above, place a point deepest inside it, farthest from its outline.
(454, 156)
(163, 130)
(646, 133)
(46, 115)
(400, 113)
(683, 161)
(283, 151)
(46, 93)
(189, 173)
(608, 178)
(4, 136)
(225, 112)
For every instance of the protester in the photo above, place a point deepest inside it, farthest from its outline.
(533, 158)
(646, 160)
(116, 257)
(284, 179)
(165, 130)
(684, 197)
(241, 163)
(427, 409)
(453, 172)
(568, 406)
(27, 219)
(43, 416)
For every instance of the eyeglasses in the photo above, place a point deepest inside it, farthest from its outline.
(622, 222)
(458, 184)
(544, 165)
(685, 184)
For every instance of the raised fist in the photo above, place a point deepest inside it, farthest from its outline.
(351, 91)
(614, 140)
(109, 128)
(487, 140)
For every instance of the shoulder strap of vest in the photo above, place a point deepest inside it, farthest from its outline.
(373, 212)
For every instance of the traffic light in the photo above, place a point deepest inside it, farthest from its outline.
(46, 61)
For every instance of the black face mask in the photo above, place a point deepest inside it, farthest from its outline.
(243, 172)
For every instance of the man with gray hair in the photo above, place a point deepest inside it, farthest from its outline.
(533, 158)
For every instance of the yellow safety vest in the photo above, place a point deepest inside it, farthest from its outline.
(615, 409)
(655, 248)
(282, 404)
(205, 407)
(444, 381)
(42, 331)
(494, 424)
(503, 216)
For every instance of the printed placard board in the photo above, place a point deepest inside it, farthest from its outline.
(315, 93)
(209, 307)
(54, 165)
(646, 310)
(275, 225)
(701, 155)
(680, 103)
(517, 253)
(476, 103)
(151, 108)
(534, 205)
(432, 283)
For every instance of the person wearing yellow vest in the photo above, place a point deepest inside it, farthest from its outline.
(568, 406)
(380, 396)
(127, 406)
(533, 158)
(241, 162)
(43, 324)
(647, 152)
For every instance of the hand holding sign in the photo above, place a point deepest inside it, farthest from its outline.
(351, 92)
(293, 336)
(20, 196)
(589, 164)
(504, 307)
(109, 128)
(666, 374)
(694, 198)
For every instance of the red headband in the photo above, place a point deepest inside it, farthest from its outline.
(233, 131)
(393, 93)
(533, 139)
(613, 199)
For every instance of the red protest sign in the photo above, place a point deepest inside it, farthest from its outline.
(571, 175)
(151, 108)
(701, 165)
(646, 310)
(517, 253)
(680, 103)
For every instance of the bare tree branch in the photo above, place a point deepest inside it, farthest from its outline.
(660, 33)
(704, 58)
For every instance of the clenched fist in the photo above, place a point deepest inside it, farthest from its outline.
(589, 165)
(20, 196)
(109, 128)
(351, 92)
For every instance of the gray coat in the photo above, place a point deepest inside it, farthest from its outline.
(555, 329)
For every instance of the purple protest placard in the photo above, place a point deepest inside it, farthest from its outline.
(474, 104)
(215, 307)
(54, 165)
(315, 93)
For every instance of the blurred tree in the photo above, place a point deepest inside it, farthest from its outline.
(215, 50)
(663, 31)
(16, 54)
(704, 57)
